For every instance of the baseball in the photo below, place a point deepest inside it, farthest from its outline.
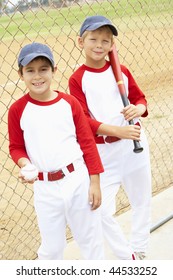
(29, 172)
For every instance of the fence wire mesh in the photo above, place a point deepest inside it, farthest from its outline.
(145, 47)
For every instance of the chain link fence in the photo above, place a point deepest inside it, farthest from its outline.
(145, 47)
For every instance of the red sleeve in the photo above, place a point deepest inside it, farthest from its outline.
(16, 140)
(75, 88)
(135, 94)
(85, 137)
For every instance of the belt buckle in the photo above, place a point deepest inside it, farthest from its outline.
(57, 175)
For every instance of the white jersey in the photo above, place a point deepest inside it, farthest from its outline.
(51, 134)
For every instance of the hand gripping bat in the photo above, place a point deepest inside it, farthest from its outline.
(115, 64)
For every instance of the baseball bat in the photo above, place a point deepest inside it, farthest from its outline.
(116, 68)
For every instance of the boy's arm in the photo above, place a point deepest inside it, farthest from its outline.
(17, 144)
(123, 132)
(23, 162)
(16, 140)
(135, 95)
(76, 91)
(98, 128)
(90, 153)
(131, 111)
(85, 138)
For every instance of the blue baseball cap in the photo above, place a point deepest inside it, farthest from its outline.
(94, 22)
(31, 51)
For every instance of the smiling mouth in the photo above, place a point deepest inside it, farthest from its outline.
(38, 84)
(98, 52)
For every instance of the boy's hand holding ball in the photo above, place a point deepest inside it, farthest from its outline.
(29, 173)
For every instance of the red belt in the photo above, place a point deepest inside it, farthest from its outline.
(107, 139)
(56, 175)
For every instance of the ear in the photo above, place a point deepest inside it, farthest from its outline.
(55, 69)
(80, 42)
(112, 46)
(20, 75)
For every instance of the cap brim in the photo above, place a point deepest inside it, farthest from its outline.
(27, 59)
(114, 30)
(98, 25)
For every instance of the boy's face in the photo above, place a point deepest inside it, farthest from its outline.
(37, 76)
(96, 45)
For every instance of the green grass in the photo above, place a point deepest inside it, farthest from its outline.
(56, 20)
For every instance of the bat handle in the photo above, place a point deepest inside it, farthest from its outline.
(137, 145)
(120, 83)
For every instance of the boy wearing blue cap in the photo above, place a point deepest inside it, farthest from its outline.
(53, 145)
(94, 85)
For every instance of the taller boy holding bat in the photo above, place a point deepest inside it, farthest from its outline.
(94, 85)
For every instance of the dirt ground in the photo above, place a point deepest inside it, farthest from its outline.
(149, 58)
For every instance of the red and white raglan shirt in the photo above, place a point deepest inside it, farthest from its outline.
(51, 134)
(98, 93)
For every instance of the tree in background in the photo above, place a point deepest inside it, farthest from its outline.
(3, 4)
(9, 6)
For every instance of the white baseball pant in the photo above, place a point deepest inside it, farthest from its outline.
(132, 171)
(65, 202)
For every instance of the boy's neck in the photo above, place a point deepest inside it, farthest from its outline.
(95, 64)
(44, 97)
